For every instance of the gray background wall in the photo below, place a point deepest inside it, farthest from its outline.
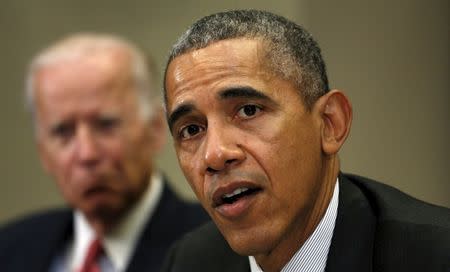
(390, 57)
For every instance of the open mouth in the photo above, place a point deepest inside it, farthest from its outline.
(235, 195)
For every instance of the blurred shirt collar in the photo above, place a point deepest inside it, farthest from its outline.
(120, 243)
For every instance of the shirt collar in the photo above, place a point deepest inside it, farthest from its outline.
(312, 256)
(119, 244)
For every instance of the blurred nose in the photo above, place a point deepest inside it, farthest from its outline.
(221, 150)
(87, 148)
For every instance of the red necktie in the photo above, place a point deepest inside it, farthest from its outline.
(91, 261)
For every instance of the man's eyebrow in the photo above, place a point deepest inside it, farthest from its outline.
(232, 92)
(242, 92)
(179, 112)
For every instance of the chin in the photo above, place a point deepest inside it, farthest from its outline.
(249, 243)
(248, 248)
(105, 209)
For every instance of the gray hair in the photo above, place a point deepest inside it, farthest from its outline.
(291, 50)
(82, 44)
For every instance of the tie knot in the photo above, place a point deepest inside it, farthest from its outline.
(90, 263)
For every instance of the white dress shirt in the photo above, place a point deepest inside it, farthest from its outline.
(312, 256)
(120, 242)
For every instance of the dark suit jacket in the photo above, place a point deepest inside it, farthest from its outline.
(32, 243)
(378, 228)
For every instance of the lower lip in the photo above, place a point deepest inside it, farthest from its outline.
(238, 208)
(98, 193)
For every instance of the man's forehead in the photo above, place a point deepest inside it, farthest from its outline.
(219, 58)
(109, 64)
(230, 50)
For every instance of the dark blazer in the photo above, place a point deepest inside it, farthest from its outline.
(378, 228)
(32, 243)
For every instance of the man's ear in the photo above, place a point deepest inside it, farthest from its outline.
(336, 114)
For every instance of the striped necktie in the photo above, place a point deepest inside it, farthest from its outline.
(91, 262)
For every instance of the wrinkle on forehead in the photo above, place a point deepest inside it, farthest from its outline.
(211, 65)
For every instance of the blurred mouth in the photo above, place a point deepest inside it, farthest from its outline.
(93, 183)
(235, 199)
(98, 192)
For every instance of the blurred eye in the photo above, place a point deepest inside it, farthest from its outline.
(107, 123)
(248, 111)
(190, 131)
(63, 130)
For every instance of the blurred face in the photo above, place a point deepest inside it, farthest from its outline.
(247, 145)
(90, 136)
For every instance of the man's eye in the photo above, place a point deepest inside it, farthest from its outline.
(63, 130)
(248, 111)
(107, 123)
(190, 131)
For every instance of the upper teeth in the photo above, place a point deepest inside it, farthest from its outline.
(236, 192)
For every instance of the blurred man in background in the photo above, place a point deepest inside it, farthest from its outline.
(98, 126)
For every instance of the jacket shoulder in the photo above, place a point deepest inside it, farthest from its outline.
(172, 218)
(204, 249)
(31, 228)
(390, 203)
(33, 224)
(33, 238)
(175, 215)
(410, 233)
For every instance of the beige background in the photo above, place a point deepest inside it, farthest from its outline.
(391, 58)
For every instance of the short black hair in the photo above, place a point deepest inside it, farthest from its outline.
(292, 51)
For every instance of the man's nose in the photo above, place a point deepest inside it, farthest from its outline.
(87, 147)
(222, 150)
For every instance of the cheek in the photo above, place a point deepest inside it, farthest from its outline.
(291, 155)
(131, 148)
(301, 167)
(61, 166)
(117, 155)
(132, 161)
(184, 160)
(64, 174)
(189, 166)
(304, 161)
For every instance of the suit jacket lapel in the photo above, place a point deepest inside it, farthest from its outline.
(240, 264)
(352, 244)
(49, 241)
(162, 229)
(147, 252)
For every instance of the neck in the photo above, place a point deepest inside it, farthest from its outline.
(102, 227)
(305, 225)
(105, 220)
